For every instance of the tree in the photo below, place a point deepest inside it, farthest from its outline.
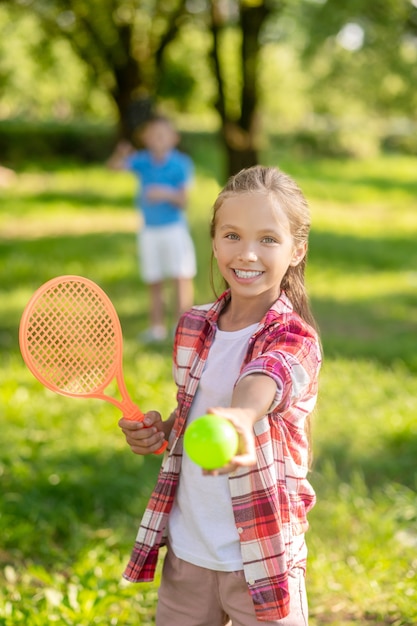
(121, 41)
(371, 51)
(124, 44)
(239, 117)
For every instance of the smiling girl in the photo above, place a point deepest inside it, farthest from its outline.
(235, 536)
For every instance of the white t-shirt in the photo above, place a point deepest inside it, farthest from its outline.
(201, 527)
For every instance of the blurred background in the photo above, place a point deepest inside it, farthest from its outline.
(322, 88)
(331, 78)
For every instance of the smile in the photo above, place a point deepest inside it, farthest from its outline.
(247, 273)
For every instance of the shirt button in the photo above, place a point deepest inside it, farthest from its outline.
(240, 530)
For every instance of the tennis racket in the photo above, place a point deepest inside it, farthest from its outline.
(71, 340)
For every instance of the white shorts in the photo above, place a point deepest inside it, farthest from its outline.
(166, 252)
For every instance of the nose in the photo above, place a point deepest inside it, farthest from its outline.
(248, 254)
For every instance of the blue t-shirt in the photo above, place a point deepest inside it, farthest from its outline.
(175, 171)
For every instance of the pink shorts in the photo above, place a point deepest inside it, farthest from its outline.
(195, 596)
(166, 252)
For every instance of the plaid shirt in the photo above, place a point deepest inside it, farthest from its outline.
(271, 499)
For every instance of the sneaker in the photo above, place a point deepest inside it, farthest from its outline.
(154, 334)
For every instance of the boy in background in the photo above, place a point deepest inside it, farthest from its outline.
(166, 250)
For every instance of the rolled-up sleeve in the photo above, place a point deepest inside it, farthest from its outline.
(293, 368)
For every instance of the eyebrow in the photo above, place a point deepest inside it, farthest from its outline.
(228, 227)
(264, 231)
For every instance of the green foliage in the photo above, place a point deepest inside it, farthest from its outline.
(70, 60)
(184, 86)
(72, 492)
(42, 76)
(87, 141)
(93, 59)
(362, 54)
(93, 142)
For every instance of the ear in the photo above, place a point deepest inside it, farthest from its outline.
(213, 247)
(298, 254)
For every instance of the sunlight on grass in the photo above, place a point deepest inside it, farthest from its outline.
(388, 180)
(363, 220)
(353, 287)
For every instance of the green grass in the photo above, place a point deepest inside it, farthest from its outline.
(72, 492)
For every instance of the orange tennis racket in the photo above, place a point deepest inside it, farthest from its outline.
(71, 340)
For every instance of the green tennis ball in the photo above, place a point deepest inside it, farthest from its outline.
(211, 441)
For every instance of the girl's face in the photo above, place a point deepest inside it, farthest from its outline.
(253, 245)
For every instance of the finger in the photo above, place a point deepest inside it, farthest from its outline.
(142, 436)
(147, 446)
(243, 460)
(130, 425)
(152, 417)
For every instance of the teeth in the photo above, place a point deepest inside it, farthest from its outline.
(247, 273)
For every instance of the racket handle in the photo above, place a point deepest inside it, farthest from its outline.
(136, 415)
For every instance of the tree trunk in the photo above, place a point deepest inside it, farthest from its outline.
(240, 136)
(137, 80)
(241, 148)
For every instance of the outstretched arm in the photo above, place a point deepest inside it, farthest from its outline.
(121, 152)
(251, 400)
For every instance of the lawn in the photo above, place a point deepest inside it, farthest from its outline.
(72, 492)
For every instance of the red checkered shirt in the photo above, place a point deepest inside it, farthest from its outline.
(270, 499)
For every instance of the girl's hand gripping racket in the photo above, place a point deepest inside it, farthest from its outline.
(71, 340)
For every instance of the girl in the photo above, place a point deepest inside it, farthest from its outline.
(235, 537)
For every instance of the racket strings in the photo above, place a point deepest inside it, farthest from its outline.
(72, 339)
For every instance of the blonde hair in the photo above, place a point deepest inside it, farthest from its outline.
(273, 181)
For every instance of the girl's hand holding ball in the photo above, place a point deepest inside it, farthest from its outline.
(222, 441)
(211, 441)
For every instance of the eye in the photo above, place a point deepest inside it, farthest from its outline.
(232, 236)
(269, 239)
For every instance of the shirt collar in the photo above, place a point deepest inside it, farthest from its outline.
(280, 307)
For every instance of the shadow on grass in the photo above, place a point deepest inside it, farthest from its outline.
(64, 500)
(346, 253)
(29, 263)
(377, 329)
(393, 462)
